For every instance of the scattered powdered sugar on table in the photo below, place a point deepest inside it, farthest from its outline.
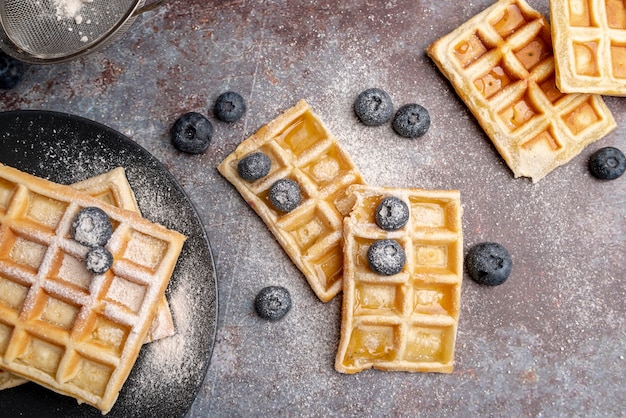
(174, 367)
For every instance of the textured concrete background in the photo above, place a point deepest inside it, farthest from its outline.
(549, 342)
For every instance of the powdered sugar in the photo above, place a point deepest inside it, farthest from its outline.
(70, 9)
(170, 354)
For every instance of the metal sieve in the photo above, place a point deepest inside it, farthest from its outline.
(52, 31)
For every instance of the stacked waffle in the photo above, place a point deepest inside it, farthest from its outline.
(406, 321)
(72, 331)
(502, 64)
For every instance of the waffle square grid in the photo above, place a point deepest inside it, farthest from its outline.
(302, 149)
(501, 64)
(75, 333)
(590, 46)
(408, 321)
(113, 188)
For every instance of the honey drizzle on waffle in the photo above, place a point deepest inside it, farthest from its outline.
(302, 149)
(500, 63)
(590, 46)
(408, 321)
(78, 338)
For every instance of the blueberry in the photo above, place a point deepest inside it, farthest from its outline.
(411, 121)
(229, 107)
(607, 163)
(386, 257)
(489, 263)
(254, 166)
(11, 71)
(191, 133)
(91, 227)
(392, 213)
(272, 303)
(98, 260)
(285, 195)
(373, 107)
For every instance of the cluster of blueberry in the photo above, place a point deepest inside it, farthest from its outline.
(272, 302)
(11, 71)
(284, 193)
(192, 132)
(374, 107)
(92, 228)
(488, 263)
(386, 256)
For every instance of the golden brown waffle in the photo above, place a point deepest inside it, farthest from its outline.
(590, 46)
(302, 149)
(407, 321)
(113, 188)
(500, 63)
(76, 337)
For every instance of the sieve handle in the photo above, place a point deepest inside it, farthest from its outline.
(148, 7)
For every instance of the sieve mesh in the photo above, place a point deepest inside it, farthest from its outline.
(44, 29)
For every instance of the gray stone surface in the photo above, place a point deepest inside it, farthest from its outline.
(549, 342)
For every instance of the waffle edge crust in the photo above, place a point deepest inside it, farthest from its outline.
(407, 321)
(302, 149)
(501, 64)
(590, 46)
(9, 380)
(78, 338)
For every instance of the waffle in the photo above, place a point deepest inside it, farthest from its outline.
(590, 46)
(9, 380)
(407, 321)
(302, 149)
(77, 337)
(500, 63)
(113, 188)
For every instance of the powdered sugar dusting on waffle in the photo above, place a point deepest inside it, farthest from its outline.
(54, 307)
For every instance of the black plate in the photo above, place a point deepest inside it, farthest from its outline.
(168, 373)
